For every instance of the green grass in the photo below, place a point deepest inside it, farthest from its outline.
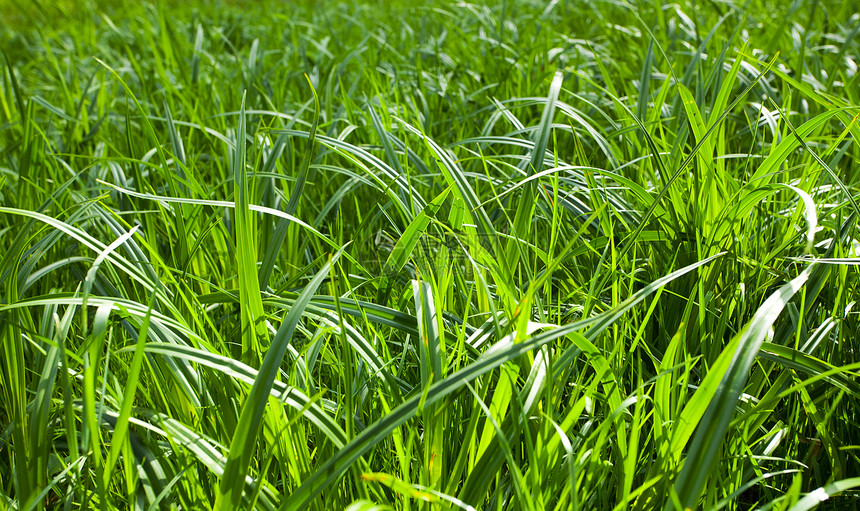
(369, 255)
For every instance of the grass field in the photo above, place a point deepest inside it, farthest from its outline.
(366, 255)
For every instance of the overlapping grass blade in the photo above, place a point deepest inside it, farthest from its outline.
(703, 452)
(245, 437)
(503, 351)
(293, 204)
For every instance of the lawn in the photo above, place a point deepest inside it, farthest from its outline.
(438, 255)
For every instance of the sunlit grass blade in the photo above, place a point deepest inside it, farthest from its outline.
(703, 452)
(503, 351)
(235, 369)
(254, 332)
(820, 495)
(407, 243)
(245, 436)
(431, 357)
(118, 439)
(281, 230)
(525, 209)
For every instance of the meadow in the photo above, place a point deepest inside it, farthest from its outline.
(439, 255)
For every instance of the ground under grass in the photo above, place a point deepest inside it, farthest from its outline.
(439, 255)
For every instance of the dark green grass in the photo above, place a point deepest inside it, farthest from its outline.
(521, 255)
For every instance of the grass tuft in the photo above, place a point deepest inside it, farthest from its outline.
(448, 255)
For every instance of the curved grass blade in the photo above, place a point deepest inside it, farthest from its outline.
(833, 175)
(801, 362)
(406, 244)
(209, 453)
(181, 233)
(359, 155)
(225, 204)
(90, 242)
(250, 421)
(367, 505)
(816, 497)
(704, 450)
(295, 196)
(523, 218)
(503, 351)
(121, 426)
(290, 396)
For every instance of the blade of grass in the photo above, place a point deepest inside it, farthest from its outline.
(503, 351)
(229, 493)
(297, 193)
(703, 453)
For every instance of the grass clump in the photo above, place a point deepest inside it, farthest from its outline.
(501, 255)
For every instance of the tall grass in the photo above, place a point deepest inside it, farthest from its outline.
(372, 255)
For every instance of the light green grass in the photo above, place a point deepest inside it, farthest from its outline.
(370, 255)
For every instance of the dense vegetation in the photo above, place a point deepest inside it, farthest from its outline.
(442, 255)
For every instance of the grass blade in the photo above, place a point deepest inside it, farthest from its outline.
(245, 436)
(704, 449)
